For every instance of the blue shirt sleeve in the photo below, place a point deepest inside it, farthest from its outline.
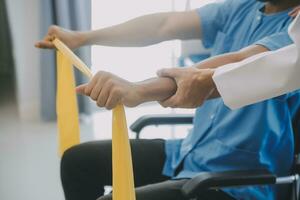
(213, 17)
(276, 41)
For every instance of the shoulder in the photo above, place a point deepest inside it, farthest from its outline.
(236, 6)
(231, 5)
(276, 41)
(243, 5)
(240, 3)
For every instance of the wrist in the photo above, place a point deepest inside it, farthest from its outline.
(155, 89)
(210, 73)
(207, 74)
(141, 92)
(83, 38)
(214, 91)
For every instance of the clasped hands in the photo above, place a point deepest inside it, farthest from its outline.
(194, 86)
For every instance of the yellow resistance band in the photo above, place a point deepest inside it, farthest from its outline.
(68, 123)
(66, 105)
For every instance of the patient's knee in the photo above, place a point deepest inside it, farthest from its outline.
(70, 159)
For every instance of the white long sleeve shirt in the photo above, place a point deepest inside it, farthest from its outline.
(263, 76)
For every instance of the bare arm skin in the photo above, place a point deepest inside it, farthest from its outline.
(295, 11)
(148, 30)
(145, 30)
(108, 90)
(187, 87)
(228, 58)
(176, 87)
(195, 84)
(140, 31)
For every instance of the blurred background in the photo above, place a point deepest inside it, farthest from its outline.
(29, 162)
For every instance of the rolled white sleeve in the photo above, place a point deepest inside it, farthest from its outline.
(263, 76)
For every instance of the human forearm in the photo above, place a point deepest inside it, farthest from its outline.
(195, 84)
(147, 30)
(156, 89)
(216, 62)
(140, 31)
(228, 58)
(108, 90)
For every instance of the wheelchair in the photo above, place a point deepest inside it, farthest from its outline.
(229, 179)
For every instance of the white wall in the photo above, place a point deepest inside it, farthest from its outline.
(29, 164)
(24, 22)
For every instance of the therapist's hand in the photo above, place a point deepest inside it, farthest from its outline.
(295, 11)
(109, 90)
(73, 39)
(194, 86)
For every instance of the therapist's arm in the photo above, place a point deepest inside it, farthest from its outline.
(141, 31)
(195, 84)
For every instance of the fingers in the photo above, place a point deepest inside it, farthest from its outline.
(103, 96)
(104, 88)
(91, 89)
(173, 101)
(91, 85)
(180, 100)
(46, 43)
(80, 89)
(294, 12)
(100, 92)
(113, 100)
(96, 90)
(169, 72)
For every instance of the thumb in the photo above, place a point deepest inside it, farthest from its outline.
(80, 89)
(168, 72)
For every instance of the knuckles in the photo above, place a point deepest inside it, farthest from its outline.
(94, 97)
(87, 91)
(110, 83)
(102, 74)
(162, 104)
(113, 87)
(53, 29)
(109, 106)
(99, 104)
(116, 91)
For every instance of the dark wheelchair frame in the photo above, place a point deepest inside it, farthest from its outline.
(228, 179)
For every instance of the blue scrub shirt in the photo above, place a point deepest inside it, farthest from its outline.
(256, 136)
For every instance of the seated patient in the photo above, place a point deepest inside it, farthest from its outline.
(256, 136)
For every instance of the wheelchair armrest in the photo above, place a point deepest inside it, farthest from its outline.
(215, 180)
(297, 164)
(165, 119)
